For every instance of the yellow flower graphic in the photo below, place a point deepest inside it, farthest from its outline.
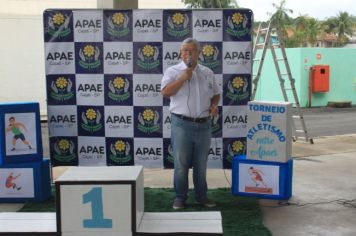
(148, 51)
(63, 144)
(90, 114)
(237, 18)
(61, 82)
(237, 146)
(118, 18)
(208, 50)
(120, 146)
(237, 82)
(119, 82)
(89, 50)
(148, 114)
(58, 19)
(178, 18)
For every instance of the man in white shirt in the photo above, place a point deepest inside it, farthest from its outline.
(194, 97)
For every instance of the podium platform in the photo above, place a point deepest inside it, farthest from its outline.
(110, 201)
(181, 223)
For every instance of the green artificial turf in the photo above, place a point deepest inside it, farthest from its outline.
(240, 215)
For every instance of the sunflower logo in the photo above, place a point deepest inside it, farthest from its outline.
(237, 18)
(120, 146)
(208, 50)
(178, 25)
(90, 114)
(63, 145)
(118, 18)
(58, 19)
(119, 82)
(120, 152)
(148, 51)
(89, 51)
(178, 18)
(237, 82)
(148, 121)
(238, 25)
(237, 146)
(61, 82)
(148, 57)
(64, 150)
(148, 115)
(57, 25)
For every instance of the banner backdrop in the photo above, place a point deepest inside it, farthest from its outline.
(103, 73)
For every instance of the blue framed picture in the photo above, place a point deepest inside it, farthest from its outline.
(20, 132)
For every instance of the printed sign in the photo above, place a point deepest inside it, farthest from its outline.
(20, 129)
(260, 179)
(17, 183)
(103, 76)
(269, 131)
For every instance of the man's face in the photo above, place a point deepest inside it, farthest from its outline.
(189, 51)
(12, 121)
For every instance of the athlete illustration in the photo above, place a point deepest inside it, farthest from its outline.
(15, 128)
(10, 181)
(256, 176)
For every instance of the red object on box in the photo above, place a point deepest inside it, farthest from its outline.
(319, 78)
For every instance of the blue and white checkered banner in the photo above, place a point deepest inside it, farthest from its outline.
(104, 70)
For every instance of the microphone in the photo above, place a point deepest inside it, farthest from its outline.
(190, 63)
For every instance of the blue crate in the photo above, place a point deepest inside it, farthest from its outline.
(26, 133)
(29, 182)
(279, 182)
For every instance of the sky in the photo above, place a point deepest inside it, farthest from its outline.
(320, 9)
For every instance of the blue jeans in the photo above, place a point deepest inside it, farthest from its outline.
(191, 144)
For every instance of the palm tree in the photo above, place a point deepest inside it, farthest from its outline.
(308, 29)
(341, 25)
(210, 3)
(280, 17)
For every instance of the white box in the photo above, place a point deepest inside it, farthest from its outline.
(269, 134)
(100, 200)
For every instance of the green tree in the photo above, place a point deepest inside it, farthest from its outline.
(340, 25)
(280, 18)
(306, 31)
(210, 3)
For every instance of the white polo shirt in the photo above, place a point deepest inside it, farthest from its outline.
(193, 98)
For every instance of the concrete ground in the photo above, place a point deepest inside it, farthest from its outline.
(323, 179)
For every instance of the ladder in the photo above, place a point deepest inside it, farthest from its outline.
(265, 31)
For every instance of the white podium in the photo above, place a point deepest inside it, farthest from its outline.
(100, 200)
(107, 201)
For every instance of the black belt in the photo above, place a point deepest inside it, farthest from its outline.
(196, 120)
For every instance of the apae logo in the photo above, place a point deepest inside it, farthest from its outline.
(89, 57)
(58, 25)
(120, 152)
(61, 89)
(237, 89)
(209, 56)
(91, 120)
(237, 25)
(118, 25)
(236, 148)
(148, 57)
(178, 25)
(63, 150)
(119, 89)
(148, 121)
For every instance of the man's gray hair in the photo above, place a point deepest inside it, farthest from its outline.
(191, 41)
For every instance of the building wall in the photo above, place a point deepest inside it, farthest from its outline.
(342, 76)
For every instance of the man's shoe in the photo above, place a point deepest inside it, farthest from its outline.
(178, 204)
(207, 202)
